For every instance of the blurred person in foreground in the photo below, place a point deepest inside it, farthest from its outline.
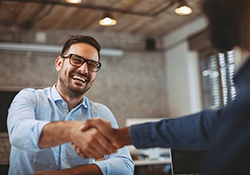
(224, 132)
(43, 123)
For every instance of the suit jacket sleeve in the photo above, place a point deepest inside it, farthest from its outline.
(187, 132)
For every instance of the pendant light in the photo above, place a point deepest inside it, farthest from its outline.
(183, 8)
(74, 1)
(108, 20)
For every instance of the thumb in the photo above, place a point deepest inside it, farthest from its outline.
(84, 126)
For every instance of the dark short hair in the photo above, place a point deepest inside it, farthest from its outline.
(224, 23)
(81, 39)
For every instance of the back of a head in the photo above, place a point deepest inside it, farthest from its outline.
(226, 19)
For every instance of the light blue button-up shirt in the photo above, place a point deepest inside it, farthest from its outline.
(32, 109)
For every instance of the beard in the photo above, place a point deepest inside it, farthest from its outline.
(77, 91)
(75, 87)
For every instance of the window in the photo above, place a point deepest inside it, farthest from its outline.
(217, 71)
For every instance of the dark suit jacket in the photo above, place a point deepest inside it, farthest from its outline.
(226, 132)
(230, 143)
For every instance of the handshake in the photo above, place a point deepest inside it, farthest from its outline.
(96, 138)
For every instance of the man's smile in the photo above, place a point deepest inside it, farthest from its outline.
(79, 78)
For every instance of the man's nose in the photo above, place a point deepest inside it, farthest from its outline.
(83, 68)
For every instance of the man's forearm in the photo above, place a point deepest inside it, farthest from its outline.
(88, 169)
(57, 133)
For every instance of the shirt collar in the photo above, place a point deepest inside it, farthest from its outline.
(55, 94)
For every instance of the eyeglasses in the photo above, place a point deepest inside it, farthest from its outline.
(77, 61)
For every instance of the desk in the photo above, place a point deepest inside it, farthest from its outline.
(150, 161)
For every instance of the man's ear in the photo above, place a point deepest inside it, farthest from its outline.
(58, 63)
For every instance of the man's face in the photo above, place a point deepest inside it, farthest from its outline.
(76, 80)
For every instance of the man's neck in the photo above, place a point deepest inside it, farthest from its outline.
(71, 99)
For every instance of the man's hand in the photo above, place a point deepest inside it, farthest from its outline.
(90, 142)
(103, 138)
(118, 137)
(87, 169)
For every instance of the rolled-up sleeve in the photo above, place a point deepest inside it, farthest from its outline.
(23, 128)
(118, 163)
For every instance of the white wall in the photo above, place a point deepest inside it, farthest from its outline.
(182, 70)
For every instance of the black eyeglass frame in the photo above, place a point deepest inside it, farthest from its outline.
(95, 69)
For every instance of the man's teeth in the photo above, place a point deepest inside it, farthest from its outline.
(79, 78)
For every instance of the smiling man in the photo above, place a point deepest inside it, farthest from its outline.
(42, 124)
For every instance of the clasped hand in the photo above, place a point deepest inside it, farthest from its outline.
(95, 138)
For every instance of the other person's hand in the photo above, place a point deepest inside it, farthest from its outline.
(89, 142)
(117, 138)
